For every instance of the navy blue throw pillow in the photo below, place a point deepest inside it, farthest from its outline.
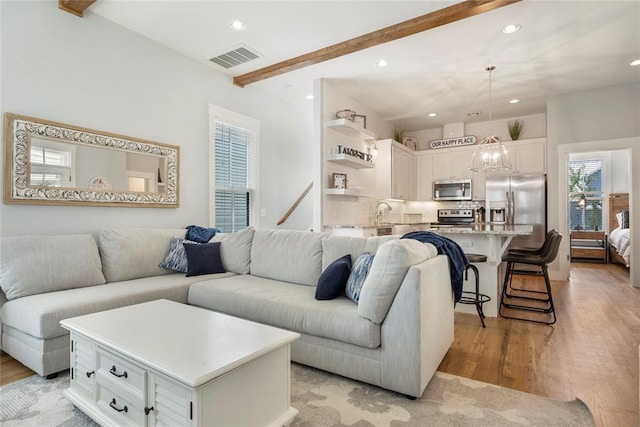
(333, 279)
(203, 259)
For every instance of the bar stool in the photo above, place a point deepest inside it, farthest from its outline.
(475, 297)
(540, 258)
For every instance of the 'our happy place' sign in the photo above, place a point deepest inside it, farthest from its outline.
(453, 142)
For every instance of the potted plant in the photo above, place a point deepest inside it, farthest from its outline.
(515, 128)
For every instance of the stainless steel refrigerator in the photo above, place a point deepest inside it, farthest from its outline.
(526, 201)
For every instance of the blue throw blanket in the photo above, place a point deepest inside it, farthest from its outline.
(200, 234)
(458, 261)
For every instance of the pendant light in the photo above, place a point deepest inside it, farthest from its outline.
(490, 154)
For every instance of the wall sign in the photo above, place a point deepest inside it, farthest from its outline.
(355, 153)
(453, 142)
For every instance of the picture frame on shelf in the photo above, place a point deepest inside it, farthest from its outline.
(360, 121)
(339, 180)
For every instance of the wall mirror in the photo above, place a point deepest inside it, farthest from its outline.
(53, 163)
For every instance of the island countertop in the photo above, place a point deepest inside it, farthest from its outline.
(487, 229)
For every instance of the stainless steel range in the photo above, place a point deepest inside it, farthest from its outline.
(454, 218)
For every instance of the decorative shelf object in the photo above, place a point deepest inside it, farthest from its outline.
(347, 127)
(347, 160)
(342, 191)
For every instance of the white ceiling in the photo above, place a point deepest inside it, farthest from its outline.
(562, 47)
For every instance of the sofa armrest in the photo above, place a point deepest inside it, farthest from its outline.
(418, 330)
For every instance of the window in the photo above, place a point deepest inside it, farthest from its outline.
(586, 194)
(234, 153)
(50, 166)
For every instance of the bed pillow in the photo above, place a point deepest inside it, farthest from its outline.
(203, 258)
(625, 219)
(333, 280)
(358, 275)
(619, 218)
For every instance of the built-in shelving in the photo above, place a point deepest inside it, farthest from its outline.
(347, 160)
(342, 191)
(348, 128)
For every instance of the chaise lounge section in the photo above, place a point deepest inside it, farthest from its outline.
(395, 336)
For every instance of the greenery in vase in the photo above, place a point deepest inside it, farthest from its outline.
(515, 129)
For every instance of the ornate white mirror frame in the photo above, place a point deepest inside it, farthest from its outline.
(156, 189)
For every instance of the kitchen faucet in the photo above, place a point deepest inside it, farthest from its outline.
(379, 211)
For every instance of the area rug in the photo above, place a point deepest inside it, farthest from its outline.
(327, 400)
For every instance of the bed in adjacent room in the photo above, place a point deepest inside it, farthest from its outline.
(619, 227)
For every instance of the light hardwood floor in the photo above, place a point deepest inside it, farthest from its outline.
(590, 353)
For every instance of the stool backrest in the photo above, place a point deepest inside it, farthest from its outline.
(552, 249)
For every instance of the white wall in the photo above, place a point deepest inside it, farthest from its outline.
(599, 119)
(340, 209)
(92, 73)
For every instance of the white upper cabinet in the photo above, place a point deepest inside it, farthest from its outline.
(424, 174)
(452, 163)
(395, 168)
(527, 156)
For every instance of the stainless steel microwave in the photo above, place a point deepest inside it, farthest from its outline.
(452, 189)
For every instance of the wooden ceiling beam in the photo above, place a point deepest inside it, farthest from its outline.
(422, 23)
(76, 7)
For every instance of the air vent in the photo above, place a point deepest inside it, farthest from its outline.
(237, 56)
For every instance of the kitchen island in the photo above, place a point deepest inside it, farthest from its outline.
(492, 241)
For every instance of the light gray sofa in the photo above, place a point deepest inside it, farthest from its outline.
(394, 337)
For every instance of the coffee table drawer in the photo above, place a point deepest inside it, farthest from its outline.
(120, 373)
(121, 410)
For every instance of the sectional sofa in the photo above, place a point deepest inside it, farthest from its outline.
(394, 337)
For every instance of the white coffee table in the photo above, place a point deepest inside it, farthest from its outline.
(165, 363)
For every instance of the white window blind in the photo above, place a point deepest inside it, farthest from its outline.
(234, 176)
(586, 194)
(50, 167)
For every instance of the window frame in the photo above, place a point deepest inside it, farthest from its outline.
(600, 195)
(219, 114)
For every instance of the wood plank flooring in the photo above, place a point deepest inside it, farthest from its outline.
(590, 353)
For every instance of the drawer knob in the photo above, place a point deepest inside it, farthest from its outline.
(147, 410)
(113, 405)
(113, 371)
(90, 373)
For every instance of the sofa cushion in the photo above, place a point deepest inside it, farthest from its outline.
(287, 306)
(358, 275)
(40, 315)
(36, 264)
(132, 253)
(333, 247)
(176, 259)
(390, 265)
(203, 259)
(287, 255)
(236, 250)
(333, 280)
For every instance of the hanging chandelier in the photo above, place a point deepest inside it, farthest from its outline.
(490, 154)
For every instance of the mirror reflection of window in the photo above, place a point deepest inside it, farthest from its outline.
(51, 165)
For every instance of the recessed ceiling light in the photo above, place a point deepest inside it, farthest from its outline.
(514, 101)
(237, 25)
(382, 63)
(511, 28)
(432, 114)
(634, 63)
(474, 113)
(308, 97)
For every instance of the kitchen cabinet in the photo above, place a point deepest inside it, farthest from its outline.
(424, 174)
(395, 171)
(454, 163)
(527, 157)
